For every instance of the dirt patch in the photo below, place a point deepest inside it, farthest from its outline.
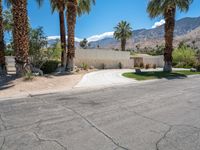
(11, 87)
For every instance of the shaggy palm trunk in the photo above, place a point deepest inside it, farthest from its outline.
(123, 44)
(71, 22)
(169, 35)
(2, 44)
(20, 36)
(63, 37)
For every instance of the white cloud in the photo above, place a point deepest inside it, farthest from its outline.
(100, 36)
(90, 39)
(157, 24)
(58, 37)
(78, 39)
(53, 37)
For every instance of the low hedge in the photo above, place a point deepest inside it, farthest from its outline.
(50, 66)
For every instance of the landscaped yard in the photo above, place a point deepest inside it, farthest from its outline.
(158, 75)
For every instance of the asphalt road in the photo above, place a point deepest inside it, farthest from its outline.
(159, 115)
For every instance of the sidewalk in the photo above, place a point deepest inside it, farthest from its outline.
(52, 84)
(19, 88)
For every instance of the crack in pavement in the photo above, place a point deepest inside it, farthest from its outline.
(115, 148)
(49, 140)
(4, 139)
(99, 130)
(3, 122)
(163, 137)
(90, 123)
(109, 137)
(154, 120)
(37, 123)
(170, 129)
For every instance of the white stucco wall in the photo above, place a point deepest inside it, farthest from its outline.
(158, 60)
(99, 57)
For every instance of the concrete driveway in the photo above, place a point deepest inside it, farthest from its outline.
(161, 115)
(109, 77)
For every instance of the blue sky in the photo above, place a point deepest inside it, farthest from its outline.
(103, 17)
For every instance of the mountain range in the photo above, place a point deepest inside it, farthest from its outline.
(186, 29)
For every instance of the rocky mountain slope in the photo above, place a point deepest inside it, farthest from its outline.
(187, 29)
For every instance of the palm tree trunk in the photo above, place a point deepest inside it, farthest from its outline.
(63, 37)
(21, 39)
(123, 44)
(2, 44)
(71, 22)
(169, 35)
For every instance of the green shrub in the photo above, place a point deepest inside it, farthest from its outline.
(141, 65)
(103, 66)
(9, 53)
(84, 66)
(77, 70)
(184, 57)
(120, 65)
(136, 65)
(197, 66)
(154, 66)
(50, 66)
(147, 66)
(28, 76)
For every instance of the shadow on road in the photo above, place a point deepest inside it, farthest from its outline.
(6, 81)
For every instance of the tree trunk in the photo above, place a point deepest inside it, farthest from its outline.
(63, 37)
(71, 22)
(169, 35)
(123, 44)
(20, 36)
(2, 44)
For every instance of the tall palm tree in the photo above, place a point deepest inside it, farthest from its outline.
(20, 35)
(74, 8)
(59, 5)
(123, 32)
(2, 45)
(167, 9)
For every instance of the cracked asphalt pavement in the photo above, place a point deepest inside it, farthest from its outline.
(158, 115)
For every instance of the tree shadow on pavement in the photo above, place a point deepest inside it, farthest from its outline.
(6, 81)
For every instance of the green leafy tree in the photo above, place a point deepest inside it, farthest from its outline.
(8, 20)
(55, 51)
(184, 57)
(37, 47)
(84, 43)
(167, 9)
(123, 32)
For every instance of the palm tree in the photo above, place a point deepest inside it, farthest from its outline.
(59, 5)
(20, 35)
(167, 9)
(2, 45)
(123, 32)
(74, 8)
